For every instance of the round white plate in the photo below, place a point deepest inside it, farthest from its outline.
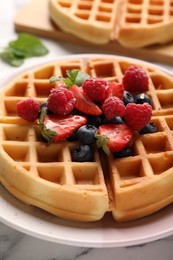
(105, 233)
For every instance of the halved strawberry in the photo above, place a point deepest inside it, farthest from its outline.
(115, 89)
(57, 128)
(83, 103)
(113, 137)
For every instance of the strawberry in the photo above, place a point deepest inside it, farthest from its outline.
(138, 115)
(84, 103)
(113, 137)
(57, 128)
(115, 89)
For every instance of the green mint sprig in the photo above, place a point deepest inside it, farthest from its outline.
(25, 46)
(74, 77)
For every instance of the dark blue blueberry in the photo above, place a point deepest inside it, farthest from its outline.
(77, 112)
(73, 137)
(115, 120)
(82, 153)
(150, 128)
(94, 120)
(125, 152)
(142, 98)
(86, 134)
(42, 106)
(127, 98)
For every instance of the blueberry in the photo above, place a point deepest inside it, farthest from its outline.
(83, 153)
(127, 98)
(94, 120)
(44, 106)
(115, 120)
(125, 152)
(86, 134)
(142, 98)
(150, 128)
(73, 137)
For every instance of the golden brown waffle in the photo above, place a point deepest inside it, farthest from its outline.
(46, 177)
(134, 23)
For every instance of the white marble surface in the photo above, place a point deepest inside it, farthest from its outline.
(15, 245)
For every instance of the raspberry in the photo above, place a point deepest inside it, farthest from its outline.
(61, 101)
(138, 115)
(135, 80)
(28, 109)
(95, 89)
(113, 107)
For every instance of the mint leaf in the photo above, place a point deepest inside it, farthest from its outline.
(77, 76)
(9, 57)
(25, 46)
(67, 81)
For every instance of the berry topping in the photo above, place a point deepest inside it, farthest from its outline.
(112, 137)
(127, 98)
(138, 115)
(83, 153)
(95, 120)
(125, 152)
(150, 128)
(59, 84)
(28, 109)
(135, 80)
(61, 101)
(115, 89)
(142, 98)
(113, 107)
(115, 120)
(95, 89)
(56, 128)
(84, 103)
(86, 134)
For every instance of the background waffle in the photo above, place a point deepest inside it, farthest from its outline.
(46, 177)
(134, 23)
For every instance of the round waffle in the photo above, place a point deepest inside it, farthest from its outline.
(100, 21)
(46, 177)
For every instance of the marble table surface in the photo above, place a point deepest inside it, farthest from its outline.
(16, 245)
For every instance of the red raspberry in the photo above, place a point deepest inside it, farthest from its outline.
(95, 89)
(113, 107)
(61, 101)
(135, 80)
(28, 109)
(138, 115)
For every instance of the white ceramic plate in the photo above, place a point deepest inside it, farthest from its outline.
(105, 233)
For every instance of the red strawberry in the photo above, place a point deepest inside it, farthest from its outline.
(138, 115)
(113, 137)
(83, 103)
(115, 89)
(57, 128)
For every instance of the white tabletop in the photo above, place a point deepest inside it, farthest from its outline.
(15, 245)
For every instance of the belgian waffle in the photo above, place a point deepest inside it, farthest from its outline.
(46, 177)
(134, 23)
